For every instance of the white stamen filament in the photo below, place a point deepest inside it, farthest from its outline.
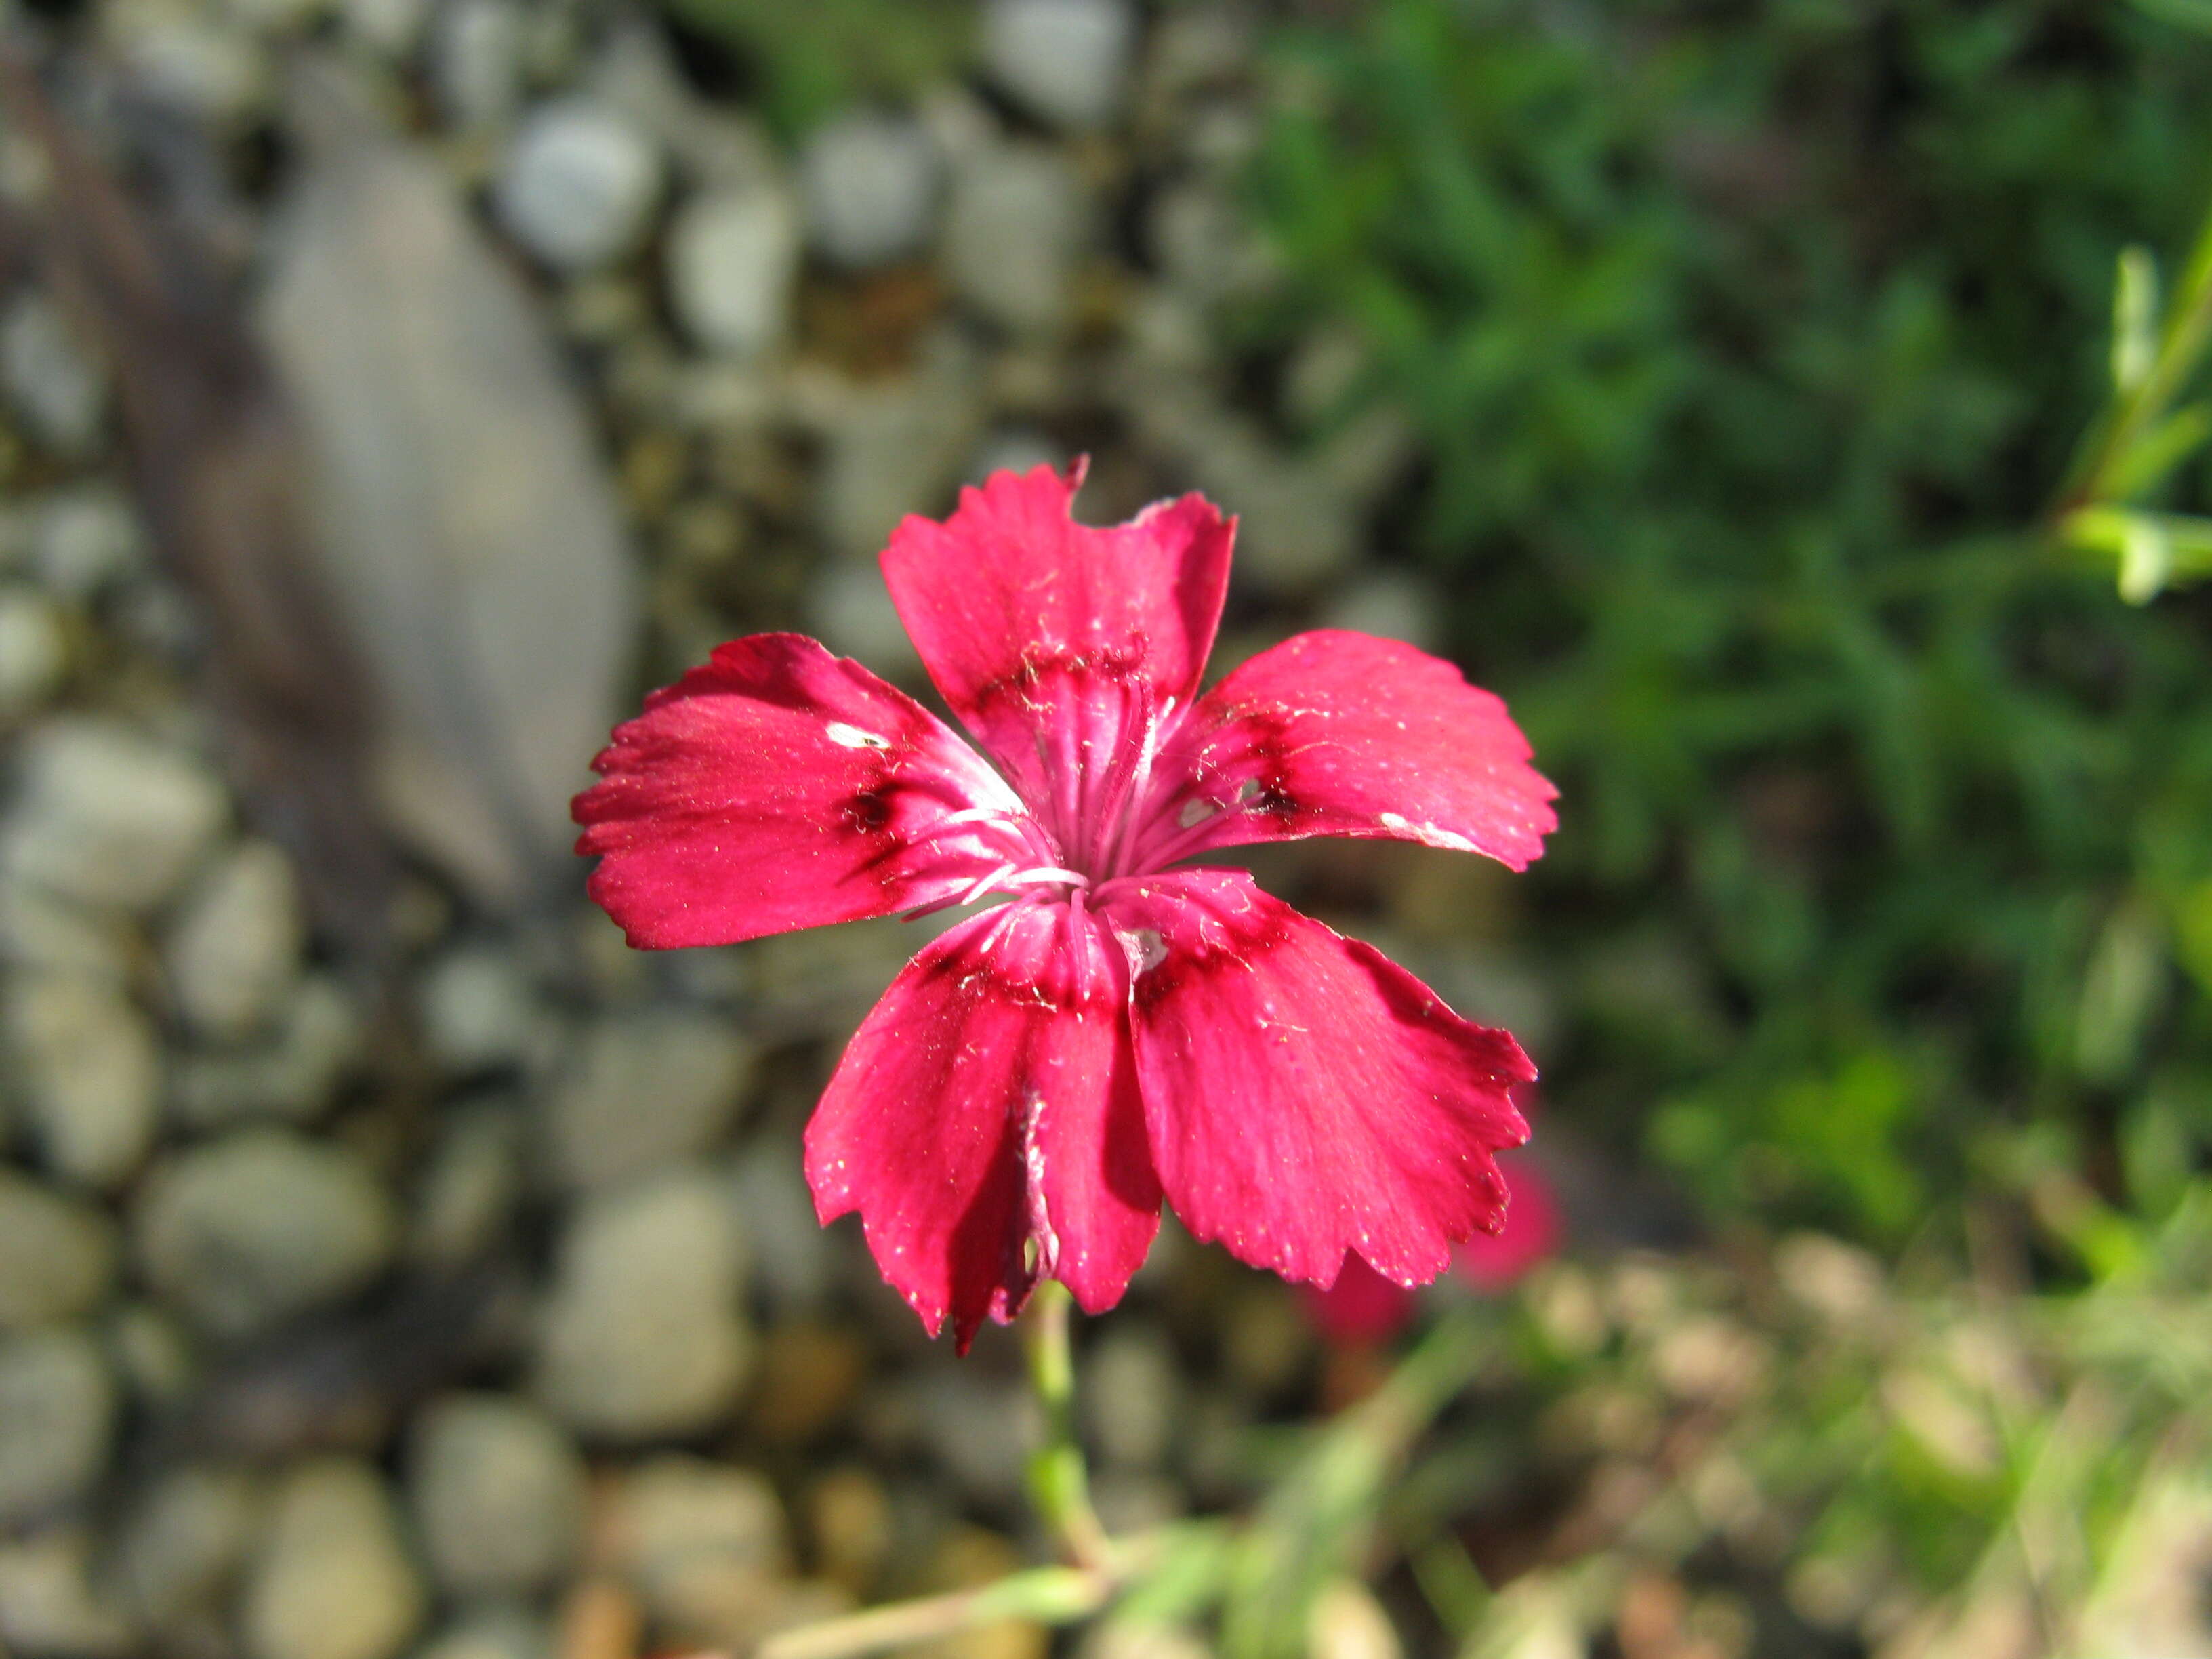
(976, 889)
(1045, 872)
(1129, 799)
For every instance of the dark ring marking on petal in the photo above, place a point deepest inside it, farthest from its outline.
(868, 811)
(1111, 662)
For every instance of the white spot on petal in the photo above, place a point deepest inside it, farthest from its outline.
(1144, 948)
(1195, 812)
(1428, 833)
(851, 736)
(1042, 1240)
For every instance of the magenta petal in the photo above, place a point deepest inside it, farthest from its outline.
(1305, 1096)
(1011, 592)
(985, 1122)
(1336, 733)
(780, 787)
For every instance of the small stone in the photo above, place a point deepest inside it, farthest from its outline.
(50, 1606)
(85, 540)
(470, 1186)
(1014, 229)
(333, 1580)
(1193, 47)
(234, 951)
(56, 1418)
(90, 1075)
(499, 1630)
(899, 447)
(968, 1559)
(823, 981)
(808, 1377)
(476, 61)
(1131, 1395)
(849, 610)
(57, 1255)
(190, 56)
(1323, 376)
(261, 1225)
(153, 1353)
(1267, 1338)
(498, 1492)
(1304, 534)
(183, 1545)
(868, 185)
(33, 652)
(1202, 241)
(1390, 604)
(389, 26)
(636, 71)
(645, 1089)
(318, 1040)
(1345, 1622)
(642, 1336)
(849, 1517)
(1297, 528)
(105, 817)
(58, 391)
(579, 186)
(1015, 449)
(982, 1432)
(1065, 61)
(705, 1545)
(1840, 1282)
(794, 1258)
(1129, 1639)
(1131, 1500)
(733, 256)
(40, 930)
(804, 1602)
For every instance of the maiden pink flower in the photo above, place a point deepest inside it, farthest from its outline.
(1042, 1074)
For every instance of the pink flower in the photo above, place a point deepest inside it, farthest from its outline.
(1043, 1072)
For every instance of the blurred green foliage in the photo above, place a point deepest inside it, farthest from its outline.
(1749, 344)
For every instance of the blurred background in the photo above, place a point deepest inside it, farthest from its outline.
(391, 391)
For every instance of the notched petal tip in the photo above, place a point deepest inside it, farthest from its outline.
(1304, 1095)
(1011, 585)
(778, 787)
(1338, 734)
(985, 1122)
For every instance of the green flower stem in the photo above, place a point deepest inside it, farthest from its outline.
(1059, 1481)
(2179, 347)
(1050, 1596)
(1060, 1484)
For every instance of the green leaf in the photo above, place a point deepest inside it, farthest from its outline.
(2187, 14)
(2134, 319)
(2159, 451)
